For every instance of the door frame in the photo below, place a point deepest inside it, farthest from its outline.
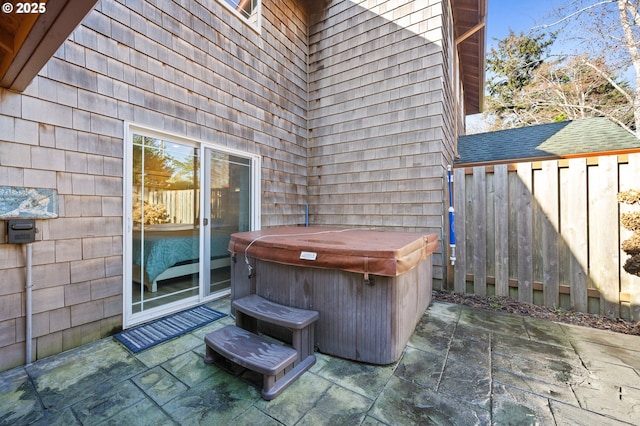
(130, 319)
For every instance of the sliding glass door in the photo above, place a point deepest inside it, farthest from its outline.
(228, 197)
(185, 199)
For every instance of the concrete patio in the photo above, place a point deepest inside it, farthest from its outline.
(462, 366)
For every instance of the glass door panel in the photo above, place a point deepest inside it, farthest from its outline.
(166, 222)
(228, 197)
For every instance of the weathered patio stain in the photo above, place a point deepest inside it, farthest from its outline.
(94, 369)
(216, 403)
(160, 385)
(18, 398)
(563, 370)
(364, 379)
(405, 403)
(514, 414)
(460, 366)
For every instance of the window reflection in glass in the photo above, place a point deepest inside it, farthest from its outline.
(246, 8)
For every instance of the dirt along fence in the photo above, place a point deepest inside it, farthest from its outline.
(548, 233)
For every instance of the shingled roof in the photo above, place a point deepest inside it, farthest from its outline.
(545, 142)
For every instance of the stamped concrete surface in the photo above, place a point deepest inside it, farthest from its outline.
(462, 366)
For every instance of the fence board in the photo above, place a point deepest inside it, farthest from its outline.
(514, 197)
(525, 237)
(574, 230)
(547, 196)
(490, 225)
(501, 228)
(536, 241)
(630, 284)
(603, 234)
(479, 232)
(468, 221)
(564, 254)
(459, 203)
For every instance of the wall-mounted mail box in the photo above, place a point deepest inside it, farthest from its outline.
(21, 231)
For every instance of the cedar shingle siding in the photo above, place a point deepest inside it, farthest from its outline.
(350, 108)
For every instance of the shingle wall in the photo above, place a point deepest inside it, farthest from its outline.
(187, 67)
(352, 115)
(380, 116)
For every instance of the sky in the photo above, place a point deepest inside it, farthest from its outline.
(520, 15)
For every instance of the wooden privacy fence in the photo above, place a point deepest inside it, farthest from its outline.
(547, 233)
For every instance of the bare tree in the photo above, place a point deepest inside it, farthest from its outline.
(527, 86)
(578, 88)
(610, 28)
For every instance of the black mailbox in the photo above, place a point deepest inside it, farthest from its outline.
(21, 231)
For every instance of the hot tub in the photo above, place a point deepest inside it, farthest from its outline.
(370, 287)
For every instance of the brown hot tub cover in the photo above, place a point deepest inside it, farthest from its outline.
(383, 253)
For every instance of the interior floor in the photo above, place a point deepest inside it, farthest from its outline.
(177, 288)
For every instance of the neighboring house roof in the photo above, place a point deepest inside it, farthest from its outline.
(546, 141)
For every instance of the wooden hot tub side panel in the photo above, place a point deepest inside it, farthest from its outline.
(339, 295)
(241, 284)
(369, 323)
(414, 297)
(292, 286)
(376, 322)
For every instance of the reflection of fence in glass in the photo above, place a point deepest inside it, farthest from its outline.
(177, 206)
(217, 204)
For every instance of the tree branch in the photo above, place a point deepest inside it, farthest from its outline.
(594, 109)
(634, 12)
(571, 15)
(628, 35)
(624, 93)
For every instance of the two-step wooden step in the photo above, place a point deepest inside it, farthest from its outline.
(279, 365)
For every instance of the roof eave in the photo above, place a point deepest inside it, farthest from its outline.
(546, 158)
(38, 36)
(470, 33)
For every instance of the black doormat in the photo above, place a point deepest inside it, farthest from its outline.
(148, 335)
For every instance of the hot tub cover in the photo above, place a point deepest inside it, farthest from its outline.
(385, 253)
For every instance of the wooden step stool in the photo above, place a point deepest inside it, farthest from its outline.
(279, 365)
